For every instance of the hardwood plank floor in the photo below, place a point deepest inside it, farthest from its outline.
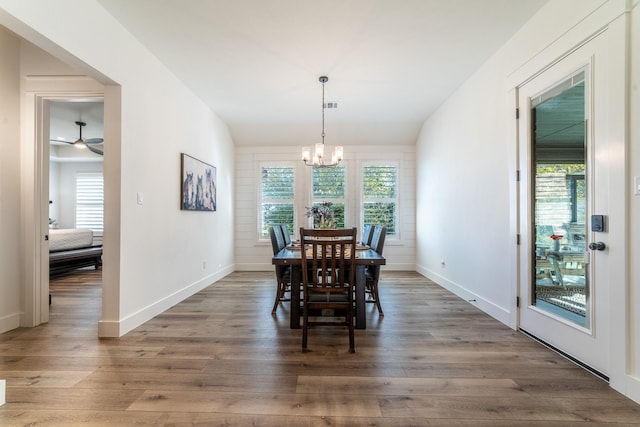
(220, 358)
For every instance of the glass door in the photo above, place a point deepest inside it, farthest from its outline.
(564, 295)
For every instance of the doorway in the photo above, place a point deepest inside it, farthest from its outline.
(563, 284)
(36, 291)
(72, 121)
(76, 190)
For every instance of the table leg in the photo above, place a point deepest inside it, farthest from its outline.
(294, 320)
(361, 282)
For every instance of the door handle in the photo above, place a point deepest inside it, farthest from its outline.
(597, 246)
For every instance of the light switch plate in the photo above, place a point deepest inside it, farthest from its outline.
(140, 198)
(636, 185)
(3, 392)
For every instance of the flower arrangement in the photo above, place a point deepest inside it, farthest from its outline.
(322, 214)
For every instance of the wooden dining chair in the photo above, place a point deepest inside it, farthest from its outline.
(328, 277)
(367, 233)
(283, 272)
(285, 234)
(372, 272)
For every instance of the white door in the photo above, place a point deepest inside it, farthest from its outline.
(562, 138)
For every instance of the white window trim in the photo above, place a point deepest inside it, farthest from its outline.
(296, 206)
(390, 163)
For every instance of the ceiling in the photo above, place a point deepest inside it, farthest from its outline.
(63, 116)
(256, 63)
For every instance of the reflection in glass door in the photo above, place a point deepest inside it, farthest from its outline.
(561, 285)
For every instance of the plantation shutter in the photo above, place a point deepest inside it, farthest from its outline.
(90, 201)
(277, 198)
(380, 199)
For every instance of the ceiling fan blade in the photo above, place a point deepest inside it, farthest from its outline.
(93, 141)
(62, 140)
(95, 150)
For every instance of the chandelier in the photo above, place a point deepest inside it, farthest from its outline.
(318, 159)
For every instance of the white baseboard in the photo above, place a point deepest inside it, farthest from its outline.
(10, 322)
(633, 388)
(627, 385)
(114, 329)
(499, 313)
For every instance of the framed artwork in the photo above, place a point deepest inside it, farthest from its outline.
(198, 185)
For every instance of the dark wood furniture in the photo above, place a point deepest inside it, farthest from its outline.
(372, 272)
(285, 234)
(293, 257)
(367, 233)
(283, 272)
(328, 277)
(71, 248)
(64, 261)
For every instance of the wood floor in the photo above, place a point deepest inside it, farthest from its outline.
(220, 359)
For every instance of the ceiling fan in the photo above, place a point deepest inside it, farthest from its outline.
(81, 142)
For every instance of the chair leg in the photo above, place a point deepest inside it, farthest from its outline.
(305, 327)
(280, 295)
(275, 304)
(352, 341)
(376, 296)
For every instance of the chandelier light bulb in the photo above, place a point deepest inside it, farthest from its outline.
(306, 154)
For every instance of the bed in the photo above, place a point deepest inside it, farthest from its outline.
(72, 248)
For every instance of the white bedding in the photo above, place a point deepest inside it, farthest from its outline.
(69, 238)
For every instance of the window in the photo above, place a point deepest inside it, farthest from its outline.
(328, 188)
(276, 198)
(90, 201)
(380, 197)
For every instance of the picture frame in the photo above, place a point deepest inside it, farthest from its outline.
(198, 185)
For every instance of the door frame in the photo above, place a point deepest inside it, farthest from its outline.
(587, 345)
(35, 182)
(615, 29)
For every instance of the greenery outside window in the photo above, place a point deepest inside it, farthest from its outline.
(329, 190)
(380, 196)
(276, 198)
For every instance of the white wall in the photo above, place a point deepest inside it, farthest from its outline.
(634, 202)
(154, 252)
(469, 144)
(465, 239)
(10, 303)
(252, 254)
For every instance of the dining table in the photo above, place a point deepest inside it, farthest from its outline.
(292, 256)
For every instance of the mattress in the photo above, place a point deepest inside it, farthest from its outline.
(69, 238)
